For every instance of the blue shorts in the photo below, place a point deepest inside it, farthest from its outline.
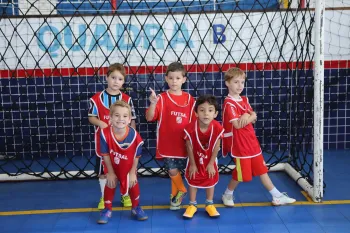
(172, 163)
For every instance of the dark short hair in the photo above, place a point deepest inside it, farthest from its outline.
(210, 99)
(175, 66)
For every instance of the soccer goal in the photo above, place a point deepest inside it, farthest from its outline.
(54, 56)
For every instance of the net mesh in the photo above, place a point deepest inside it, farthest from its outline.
(54, 56)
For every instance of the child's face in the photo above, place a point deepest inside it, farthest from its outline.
(115, 80)
(206, 113)
(175, 80)
(120, 117)
(236, 85)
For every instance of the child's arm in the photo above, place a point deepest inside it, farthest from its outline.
(151, 109)
(244, 120)
(111, 177)
(133, 173)
(253, 116)
(193, 167)
(95, 121)
(210, 167)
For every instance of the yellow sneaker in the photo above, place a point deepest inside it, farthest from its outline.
(211, 210)
(101, 204)
(190, 211)
(126, 201)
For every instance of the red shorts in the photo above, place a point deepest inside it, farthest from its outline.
(246, 168)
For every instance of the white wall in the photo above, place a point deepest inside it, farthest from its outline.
(37, 7)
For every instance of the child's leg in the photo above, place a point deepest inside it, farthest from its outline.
(136, 210)
(259, 169)
(176, 178)
(174, 166)
(192, 208)
(135, 195)
(193, 194)
(174, 189)
(108, 197)
(106, 213)
(209, 204)
(232, 185)
(210, 196)
(266, 181)
(102, 181)
(99, 169)
(242, 172)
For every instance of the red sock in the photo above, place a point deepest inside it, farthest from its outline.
(109, 196)
(135, 195)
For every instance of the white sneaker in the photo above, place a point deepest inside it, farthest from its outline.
(227, 199)
(282, 200)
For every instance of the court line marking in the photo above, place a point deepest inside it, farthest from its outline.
(308, 198)
(164, 207)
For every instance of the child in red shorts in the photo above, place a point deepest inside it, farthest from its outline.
(241, 142)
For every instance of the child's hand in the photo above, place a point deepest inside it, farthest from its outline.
(132, 179)
(193, 171)
(103, 125)
(243, 120)
(211, 170)
(253, 116)
(111, 180)
(153, 96)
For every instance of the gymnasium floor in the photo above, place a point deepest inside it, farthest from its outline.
(69, 206)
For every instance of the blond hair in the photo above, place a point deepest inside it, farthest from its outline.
(119, 103)
(233, 73)
(116, 66)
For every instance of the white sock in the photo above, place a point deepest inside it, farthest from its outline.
(229, 192)
(102, 185)
(275, 193)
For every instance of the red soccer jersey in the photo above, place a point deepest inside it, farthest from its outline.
(239, 142)
(103, 115)
(122, 158)
(201, 154)
(172, 118)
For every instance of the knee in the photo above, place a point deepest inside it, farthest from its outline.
(173, 172)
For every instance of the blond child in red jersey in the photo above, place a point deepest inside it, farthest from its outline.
(241, 142)
(99, 117)
(121, 148)
(172, 110)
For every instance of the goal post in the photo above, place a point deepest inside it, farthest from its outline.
(317, 192)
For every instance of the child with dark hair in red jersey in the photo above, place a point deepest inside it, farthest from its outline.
(203, 144)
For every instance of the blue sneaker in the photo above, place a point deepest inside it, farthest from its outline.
(105, 215)
(139, 214)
